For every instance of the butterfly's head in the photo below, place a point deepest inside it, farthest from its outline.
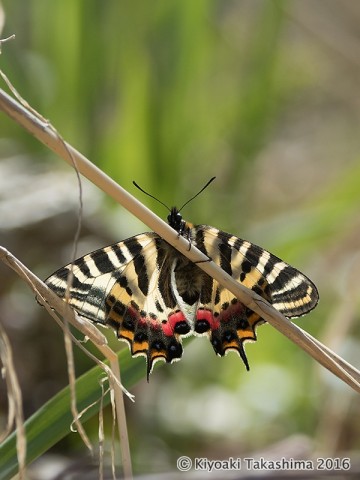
(175, 220)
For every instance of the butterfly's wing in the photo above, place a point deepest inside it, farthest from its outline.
(220, 314)
(128, 286)
(152, 295)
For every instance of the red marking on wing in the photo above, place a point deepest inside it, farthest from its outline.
(141, 321)
(233, 310)
(208, 316)
(173, 320)
(154, 324)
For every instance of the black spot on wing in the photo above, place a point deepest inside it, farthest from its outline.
(123, 282)
(158, 306)
(82, 266)
(136, 250)
(200, 240)
(284, 276)
(117, 250)
(206, 291)
(133, 246)
(238, 243)
(102, 261)
(225, 257)
(253, 254)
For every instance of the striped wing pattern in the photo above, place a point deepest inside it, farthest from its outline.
(153, 296)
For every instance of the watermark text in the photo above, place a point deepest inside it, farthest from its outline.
(185, 464)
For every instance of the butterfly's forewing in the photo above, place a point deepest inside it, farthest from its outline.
(287, 289)
(91, 278)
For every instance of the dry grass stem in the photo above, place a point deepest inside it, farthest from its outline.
(101, 435)
(44, 132)
(22, 109)
(15, 414)
(72, 379)
(54, 304)
(318, 351)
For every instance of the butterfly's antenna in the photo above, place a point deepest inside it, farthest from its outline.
(203, 188)
(151, 196)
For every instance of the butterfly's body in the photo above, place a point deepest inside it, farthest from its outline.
(152, 295)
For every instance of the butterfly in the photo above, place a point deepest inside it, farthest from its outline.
(153, 296)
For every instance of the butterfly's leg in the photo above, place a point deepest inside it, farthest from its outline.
(209, 259)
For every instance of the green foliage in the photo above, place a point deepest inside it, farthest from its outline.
(170, 93)
(153, 90)
(53, 420)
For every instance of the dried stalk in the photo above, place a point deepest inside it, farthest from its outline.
(69, 315)
(15, 414)
(43, 132)
(54, 304)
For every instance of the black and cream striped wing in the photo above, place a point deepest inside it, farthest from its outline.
(287, 289)
(153, 296)
(95, 274)
(220, 315)
(128, 286)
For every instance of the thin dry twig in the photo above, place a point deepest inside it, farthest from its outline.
(15, 414)
(114, 366)
(101, 436)
(65, 325)
(313, 347)
(68, 341)
(4, 40)
(54, 304)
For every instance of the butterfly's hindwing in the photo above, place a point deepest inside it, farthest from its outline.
(220, 314)
(153, 296)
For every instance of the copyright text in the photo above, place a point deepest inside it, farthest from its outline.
(185, 464)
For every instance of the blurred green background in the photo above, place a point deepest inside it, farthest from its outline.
(262, 94)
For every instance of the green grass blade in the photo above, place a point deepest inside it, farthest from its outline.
(52, 421)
